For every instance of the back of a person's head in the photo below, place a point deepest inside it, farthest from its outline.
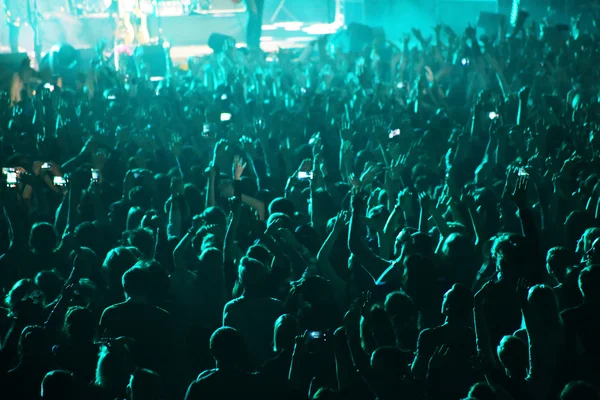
(482, 391)
(260, 253)
(214, 216)
(458, 302)
(286, 329)
(136, 282)
(143, 240)
(400, 306)
(589, 284)
(117, 261)
(282, 205)
(80, 323)
(134, 218)
(22, 289)
(558, 260)
(391, 361)
(509, 253)
(544, 304)
(33, 343)
(284, 220)
(42, 237)
(114, 368)
(211, 258)
(252, 274)
(86, 234)
(58, 385)
(513, 354)
(145, 385)
(579, 390)
(141, 197)
(227, 346)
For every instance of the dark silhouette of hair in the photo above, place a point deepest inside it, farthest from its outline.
(282, 205)
(579, 390)
(136, 282)
(58, 385)
(227, 346)
(145, 385)
(589, 284)
(33, 344)
(513, 354)
(80, 323)
(482, 391)
(286, 329)
(458, 302)
(42, 237)
(116, 263)
(558, 260)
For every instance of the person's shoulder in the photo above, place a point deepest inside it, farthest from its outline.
(427, 333)
(577, 312)
(206, 374)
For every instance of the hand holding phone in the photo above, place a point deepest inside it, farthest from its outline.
(11, 176)
(302, 175)
(95, 175)
(59, 181)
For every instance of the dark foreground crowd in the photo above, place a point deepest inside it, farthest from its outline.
(419, 221)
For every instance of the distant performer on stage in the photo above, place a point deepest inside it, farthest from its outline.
(255, 20)
(16, 13)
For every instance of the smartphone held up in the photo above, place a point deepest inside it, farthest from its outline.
(12, 176)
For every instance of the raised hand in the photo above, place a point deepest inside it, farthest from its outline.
(238, 167)
(346, 130)
(341, 221)
(519, 195)
(426, 202)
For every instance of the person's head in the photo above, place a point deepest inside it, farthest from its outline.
(116, 263)
(283, 206)
(87, 263)
(513, 354)
(558, 260)
(211, 258)
(390, 364)
(544, 305)
(508, 252)
(458, 303)
(286, 329)
(482, 391)
(50, 284)
(42, 238)
(34, 344)
(400, 307)
(137, 283)
(143, 240)
(585, 242)
(58, 385)
(114, 368)
(80, 324)
(22, 289)
(144, 385)
(282, 220)
(260, 253)
(589, 284)
(252, 275)
(134, 218)
(579, 390)
(227, 347)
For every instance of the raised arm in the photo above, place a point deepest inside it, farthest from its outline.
(369, 260)
(339, 285)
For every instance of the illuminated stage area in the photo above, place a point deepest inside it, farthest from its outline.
(186, 28)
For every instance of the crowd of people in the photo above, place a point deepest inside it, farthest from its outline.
(403, 222)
